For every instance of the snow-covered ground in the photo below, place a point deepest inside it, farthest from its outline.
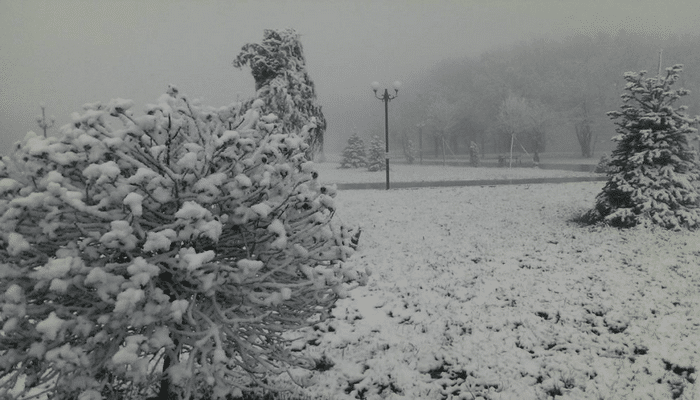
(398, 172)
(492, 293)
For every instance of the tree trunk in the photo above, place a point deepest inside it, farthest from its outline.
(584, 133)
(512, 138)
(420, 143)
(443, 151)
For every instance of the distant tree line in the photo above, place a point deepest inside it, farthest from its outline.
(534, 93)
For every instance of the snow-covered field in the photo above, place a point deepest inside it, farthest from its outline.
(492, 293)
(398, 172)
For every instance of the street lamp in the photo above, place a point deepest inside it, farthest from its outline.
(386, 98)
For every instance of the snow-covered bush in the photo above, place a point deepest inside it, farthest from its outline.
(172, 252)
(281, 80)
(652, 174)
(375, 158)
(409, 151)
(354, 154)
(474, 158)
(603, 166)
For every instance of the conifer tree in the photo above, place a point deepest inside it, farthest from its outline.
(282, 82)
(653, 173)
(375, 158)
(354, 154)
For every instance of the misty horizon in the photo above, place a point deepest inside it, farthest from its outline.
(68, 53)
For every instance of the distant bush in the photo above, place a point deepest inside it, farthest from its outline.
(409, 151)
(603, 166)
(474, 158)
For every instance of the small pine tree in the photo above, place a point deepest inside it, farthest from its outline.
(653, 173)
(354, 154)
(375, 159)
(603, 166)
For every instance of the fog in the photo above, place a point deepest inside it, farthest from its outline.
(69, 52)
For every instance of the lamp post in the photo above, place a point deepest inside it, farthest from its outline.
(386, 98)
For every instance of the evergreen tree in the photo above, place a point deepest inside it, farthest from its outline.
(354, 154)
(282, 82)
(375, 158)
(653, 173)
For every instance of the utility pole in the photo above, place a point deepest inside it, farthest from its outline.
(42, 121)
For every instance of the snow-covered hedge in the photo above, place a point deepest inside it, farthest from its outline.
(175, 249)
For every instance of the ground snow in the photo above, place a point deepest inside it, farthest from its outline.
(492, 292)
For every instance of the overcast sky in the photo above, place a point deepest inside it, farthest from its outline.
(65, 53)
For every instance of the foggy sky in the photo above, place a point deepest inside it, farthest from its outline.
(65, 53)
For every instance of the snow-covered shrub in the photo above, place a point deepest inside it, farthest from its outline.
(653, 174)
(282, 82)
(172, 251)
(603, 166)
(474, 158)
(409, 151)
(354, 154)
(375, 158)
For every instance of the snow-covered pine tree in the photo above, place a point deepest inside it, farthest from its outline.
(282, 82)
(653, 174)
(166, 257)
(375, 156)
(354, 154)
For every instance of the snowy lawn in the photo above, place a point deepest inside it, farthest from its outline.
(329, 172)
(492, 293)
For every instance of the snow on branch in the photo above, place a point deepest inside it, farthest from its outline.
(174, 247)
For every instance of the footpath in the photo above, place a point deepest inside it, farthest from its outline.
(477, 182)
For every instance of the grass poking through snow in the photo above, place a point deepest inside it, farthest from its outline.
(494, 293)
